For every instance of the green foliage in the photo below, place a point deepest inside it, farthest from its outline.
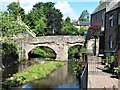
(68, 28)
(117, 71)
(83, 50)
(36, 71)
(73, 52)
(109, 62)
(44, 52)
(82, 30)
(10, 26)
(38, 51)
(13, 82)
(9, 49)
(54, 21)
(84, 16)
(44, 19)
(37, 21)
(68, 20)
(78, 67)
(15, 9)
(39, 28)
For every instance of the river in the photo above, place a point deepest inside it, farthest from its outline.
(60, 78)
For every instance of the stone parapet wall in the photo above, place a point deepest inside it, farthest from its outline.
(57, 39)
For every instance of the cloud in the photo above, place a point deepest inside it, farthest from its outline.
(51, 0)
(64, 6)
(66, 9)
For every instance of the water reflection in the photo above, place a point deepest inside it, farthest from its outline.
(10, 70)
(60, 78)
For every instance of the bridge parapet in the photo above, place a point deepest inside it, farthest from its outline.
(58, 39)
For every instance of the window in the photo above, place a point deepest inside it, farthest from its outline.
(110, 42)
(119, 18)
(111, 20)
(103, 18)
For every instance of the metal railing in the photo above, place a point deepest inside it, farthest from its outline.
(84, 77)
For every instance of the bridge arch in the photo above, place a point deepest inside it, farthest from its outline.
(60, 44)
(75, 44)
(31, 54)
(60, 50)
(73, 51)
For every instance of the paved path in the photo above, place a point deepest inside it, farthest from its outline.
(97, 78)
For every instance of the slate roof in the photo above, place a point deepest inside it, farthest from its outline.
(100, 7)
(87, 23)
(113, 4)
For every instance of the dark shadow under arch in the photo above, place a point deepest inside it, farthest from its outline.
(73, 52)
(46, 53)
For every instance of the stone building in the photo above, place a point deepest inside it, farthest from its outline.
(112, 29)
(98, 17)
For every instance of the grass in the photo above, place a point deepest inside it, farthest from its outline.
(36, 71)
(39, 71)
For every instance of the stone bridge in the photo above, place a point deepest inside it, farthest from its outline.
(60, 44)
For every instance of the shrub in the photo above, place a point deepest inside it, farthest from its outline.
(9, 48)
(78, 67)
(13, 82)
(109, 62)
(81, 30)
(117, 70)
(9, 52)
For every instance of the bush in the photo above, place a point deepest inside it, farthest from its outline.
(73, 52)
(9, 48)
(117, 71)
(9, 52)
(78, 67)
(82, 52)
(13, 82)
(109, 62)
(81, 30)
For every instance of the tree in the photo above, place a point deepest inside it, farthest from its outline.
(9, 49)
(37, 21)
(10, 26)
(95, 31)
(84, 16)
(68, 28)
(68, 20)
(53, 16)
(40, 28)
(15, 10)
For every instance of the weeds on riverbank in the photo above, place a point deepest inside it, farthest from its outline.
(78, 68)
(36, 71)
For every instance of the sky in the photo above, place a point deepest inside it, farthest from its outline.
(71, 8)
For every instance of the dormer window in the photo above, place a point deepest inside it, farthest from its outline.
(111, 20)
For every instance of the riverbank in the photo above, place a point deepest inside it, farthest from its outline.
(36, 71)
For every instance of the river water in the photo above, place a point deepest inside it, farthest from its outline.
(18, 67)
(60, 78)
